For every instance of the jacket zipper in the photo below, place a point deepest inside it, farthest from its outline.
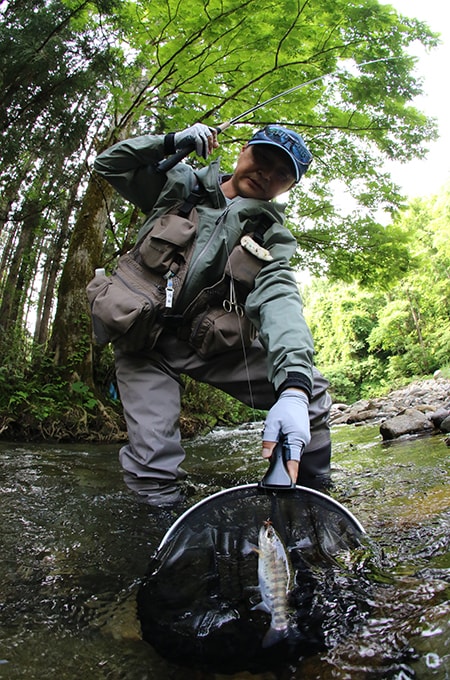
(206, 247)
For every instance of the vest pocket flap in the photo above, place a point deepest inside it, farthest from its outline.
(174, 229)
(170, 234)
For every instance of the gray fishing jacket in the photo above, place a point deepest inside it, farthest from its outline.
(274, 305)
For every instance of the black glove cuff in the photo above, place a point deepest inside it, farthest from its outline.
(296, 380)
(169, 143)
(288, 454)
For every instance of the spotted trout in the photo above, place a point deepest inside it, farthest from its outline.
(276, 578)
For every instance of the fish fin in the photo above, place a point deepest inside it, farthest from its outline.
(273, 636)
(262, 607)
(248, 548)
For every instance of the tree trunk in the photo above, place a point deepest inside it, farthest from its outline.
(71, 338)
(52, 267)
(71, 341)
(11, 309)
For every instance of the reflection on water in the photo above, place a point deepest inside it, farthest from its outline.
(76, 547)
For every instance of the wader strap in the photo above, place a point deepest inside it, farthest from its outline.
(191, 201)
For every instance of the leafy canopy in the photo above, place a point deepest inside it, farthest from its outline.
(79, 72)
(210, 61)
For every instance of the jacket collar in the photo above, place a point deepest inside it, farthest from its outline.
(210, 176)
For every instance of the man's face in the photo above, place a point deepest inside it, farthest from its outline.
(262, 171)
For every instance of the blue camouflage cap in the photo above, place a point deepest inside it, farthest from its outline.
(290, 142)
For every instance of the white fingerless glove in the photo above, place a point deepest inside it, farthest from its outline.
(288, 419)
(195, 136)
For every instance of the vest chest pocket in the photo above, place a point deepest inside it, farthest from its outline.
(170, 235)
(126, 308)
(217, 331)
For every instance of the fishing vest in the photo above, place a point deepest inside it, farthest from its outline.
(133, 306)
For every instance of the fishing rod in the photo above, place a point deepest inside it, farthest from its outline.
(168, 163)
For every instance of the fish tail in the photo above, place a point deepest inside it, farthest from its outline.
(274, 635)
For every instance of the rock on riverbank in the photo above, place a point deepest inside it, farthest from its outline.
(421, 407)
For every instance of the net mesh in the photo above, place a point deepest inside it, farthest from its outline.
(197, 603)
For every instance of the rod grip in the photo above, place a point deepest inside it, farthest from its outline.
(169, 163)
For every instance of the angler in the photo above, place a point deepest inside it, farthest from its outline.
(209, 292)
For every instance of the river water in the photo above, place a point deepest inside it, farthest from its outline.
(76, 547)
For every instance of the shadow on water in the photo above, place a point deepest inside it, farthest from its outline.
(76, 551)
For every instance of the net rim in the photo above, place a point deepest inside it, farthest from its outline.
(224, 492)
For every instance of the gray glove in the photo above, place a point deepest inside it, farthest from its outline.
(197, 136)
(289, 418)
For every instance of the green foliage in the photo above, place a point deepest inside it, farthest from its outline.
(84, 394)
(210, 61)
(353, 248)
(351, 380)
(36, 400)
(48, 57)
(367, 340)
(210, 406)
(78, 76)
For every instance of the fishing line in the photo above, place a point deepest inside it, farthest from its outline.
(241, 335)
(223, 127)
(168, 163)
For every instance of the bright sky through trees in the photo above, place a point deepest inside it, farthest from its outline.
(422, 177)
